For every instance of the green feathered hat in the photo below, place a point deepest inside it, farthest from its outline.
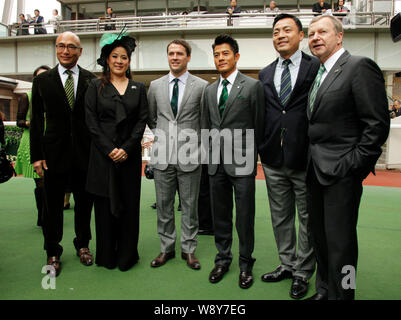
(109, 41)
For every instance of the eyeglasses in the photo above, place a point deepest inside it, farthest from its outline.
(60, 47)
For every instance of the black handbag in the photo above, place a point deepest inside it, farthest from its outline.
(6, 168)
(148, 172)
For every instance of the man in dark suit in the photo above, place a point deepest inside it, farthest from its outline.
(283, 151)
(234, 105)
(320, 7)
(60, 145)
(233, 8)
(38, 21)
(348, 124)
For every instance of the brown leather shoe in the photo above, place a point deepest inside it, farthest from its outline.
(56, 264)
(162, 258)
(192, 261)
(85, 256)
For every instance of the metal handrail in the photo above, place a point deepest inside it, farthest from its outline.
(194, 21)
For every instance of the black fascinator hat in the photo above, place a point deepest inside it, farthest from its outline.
(109, 41)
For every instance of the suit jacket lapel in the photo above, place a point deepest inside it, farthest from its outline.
(81, 89)
(189, 86)
(55, 78)
(333, 74)
(270, 80)
(165, 89)
(235, 91)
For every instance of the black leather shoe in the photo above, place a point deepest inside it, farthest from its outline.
(318, 296)
(245, 279)
(299, 288)
(277, 275)
(206, 232)
(217, 273)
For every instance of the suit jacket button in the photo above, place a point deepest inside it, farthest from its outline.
(284, 112)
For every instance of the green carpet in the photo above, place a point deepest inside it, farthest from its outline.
(22, 256)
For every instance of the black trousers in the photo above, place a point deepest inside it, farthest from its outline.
(333, 215)
(117, 238)
(221, 190)
(204, 205)
(53, 217)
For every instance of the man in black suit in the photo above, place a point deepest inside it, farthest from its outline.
(283, 151)
(38, 21)
(60, 145)
(320, 7)
(348, 124)
(234, 109)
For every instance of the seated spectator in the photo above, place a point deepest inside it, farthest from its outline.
(233, 8)
(320, 7)
(109, 14)
(38, 21)
(272, 7)
(23, 26)
(340, 7)
(395, 109)
(55, 20)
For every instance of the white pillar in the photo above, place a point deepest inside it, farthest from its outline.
(8, 5)
(20, 7)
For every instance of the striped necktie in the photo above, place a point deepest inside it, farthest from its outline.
(315, 88)
(174, 99)
(223, 97)
(69, 88)
(285, 88)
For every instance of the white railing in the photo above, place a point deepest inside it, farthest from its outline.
(201, 21)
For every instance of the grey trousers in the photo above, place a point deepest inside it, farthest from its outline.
(287, 191)
(166, 186)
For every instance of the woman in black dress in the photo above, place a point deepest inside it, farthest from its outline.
(116, 113)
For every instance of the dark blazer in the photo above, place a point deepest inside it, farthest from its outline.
(58, 134)
(349, 122)
(115, 121)
(39, 29)
(244, 110)
(289, 123)
(317, 8)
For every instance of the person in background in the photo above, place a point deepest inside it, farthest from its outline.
(340, 7)
(23, 28)
(38, 22)
(395, 109)
(320, 7)
(23, 164)
(55, 20)
(108, 16)
(272, 8)
(116, 114)
(233, 8)
(60, 144)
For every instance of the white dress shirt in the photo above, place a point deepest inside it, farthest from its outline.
(293, 67)
(64, 76)
(330, 62)
(181, 86)
(231, 79)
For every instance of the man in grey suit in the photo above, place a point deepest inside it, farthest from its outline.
(234, 109)
(175, 118)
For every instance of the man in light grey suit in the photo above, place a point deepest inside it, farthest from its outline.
(175, 118)
(234, 109)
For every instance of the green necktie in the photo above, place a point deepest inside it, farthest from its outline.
(174, 99)
(223, 97)
(315, 88)
(69, 88)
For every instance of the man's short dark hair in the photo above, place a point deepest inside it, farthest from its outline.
(36, 10)
(285, 16)
(183, 43)
(225, 38)
(35, 73)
